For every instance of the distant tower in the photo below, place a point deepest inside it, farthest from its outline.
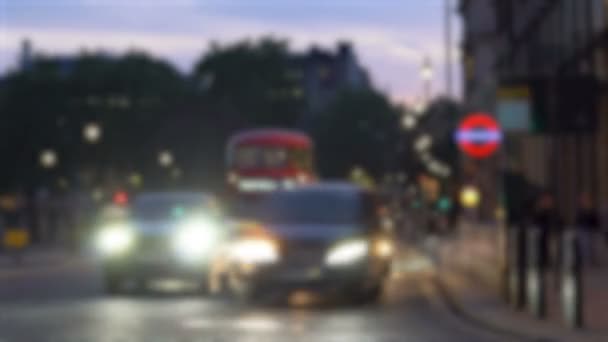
(25, 59)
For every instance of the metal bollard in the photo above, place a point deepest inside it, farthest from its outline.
(571, 279)
(516, 267)
(535, 273)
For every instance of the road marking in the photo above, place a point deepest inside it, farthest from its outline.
(199, 323)
(258, 324)
(253, 323)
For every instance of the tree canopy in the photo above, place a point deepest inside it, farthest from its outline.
(145, 105)
(359, 128)
(254, 80)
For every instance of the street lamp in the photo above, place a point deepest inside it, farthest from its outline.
(165, 158)
(426, 73)
(423, 143)
(408, 122)
(48, 159)
(420, 107)
(470, 197)
(91, 132)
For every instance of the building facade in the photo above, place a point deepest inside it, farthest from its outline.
(549, 63)
(323, 74)
(479, 84)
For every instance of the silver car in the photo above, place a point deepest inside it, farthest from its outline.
(166, 234)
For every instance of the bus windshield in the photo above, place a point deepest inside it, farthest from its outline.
(272, 157)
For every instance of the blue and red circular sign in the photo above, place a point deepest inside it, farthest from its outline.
(479, 135)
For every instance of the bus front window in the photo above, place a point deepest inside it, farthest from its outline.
(270, 157)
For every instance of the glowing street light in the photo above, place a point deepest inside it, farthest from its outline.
(427, 73)
(408, 122)
(423, 143)
(420, 108)
(91, 132)
(48, 159)
(470, 197)
(165, 158)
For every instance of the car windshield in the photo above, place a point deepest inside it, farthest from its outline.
(322, 207)
(246, 208)
(170, 207)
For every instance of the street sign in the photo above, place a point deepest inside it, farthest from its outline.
(479, 135)
(514, 108)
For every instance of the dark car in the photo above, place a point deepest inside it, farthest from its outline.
(165, 234)
(328, 238)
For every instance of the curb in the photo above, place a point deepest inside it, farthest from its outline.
(457, 308)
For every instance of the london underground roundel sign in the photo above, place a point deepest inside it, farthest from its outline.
(479, 135)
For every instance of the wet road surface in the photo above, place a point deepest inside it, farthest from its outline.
(66, 303)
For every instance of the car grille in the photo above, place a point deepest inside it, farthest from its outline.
(300, 254)
(153, 244)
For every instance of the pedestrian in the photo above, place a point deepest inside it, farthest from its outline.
(588, 227)
(547, 219)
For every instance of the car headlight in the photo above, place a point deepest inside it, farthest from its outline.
(255, 251)
(384, 248)
(347, 253)
(195, 238)
(115, 239)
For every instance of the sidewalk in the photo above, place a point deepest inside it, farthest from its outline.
(39, 258)
(468, 273)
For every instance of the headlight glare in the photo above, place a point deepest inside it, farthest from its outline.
(255, 251)
(194, 239)
(115, 239)
(384, 248)
(347, 253)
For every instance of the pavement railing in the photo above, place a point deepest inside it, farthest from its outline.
(559, 287)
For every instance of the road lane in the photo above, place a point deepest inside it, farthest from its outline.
(69, 306)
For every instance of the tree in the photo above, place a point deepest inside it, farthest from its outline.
(441, 120)
(360, 128)
(252, 80)
(47, 104)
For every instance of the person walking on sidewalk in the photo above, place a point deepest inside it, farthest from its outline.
(588, 226)
(547, 218)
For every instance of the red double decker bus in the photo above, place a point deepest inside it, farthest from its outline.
(264, 160)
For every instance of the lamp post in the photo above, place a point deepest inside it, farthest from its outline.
(426, 73)
(448, 12)
(408, 122)
(92, 134)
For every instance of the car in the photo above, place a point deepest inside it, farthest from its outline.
(328, 238)
(165, 234)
